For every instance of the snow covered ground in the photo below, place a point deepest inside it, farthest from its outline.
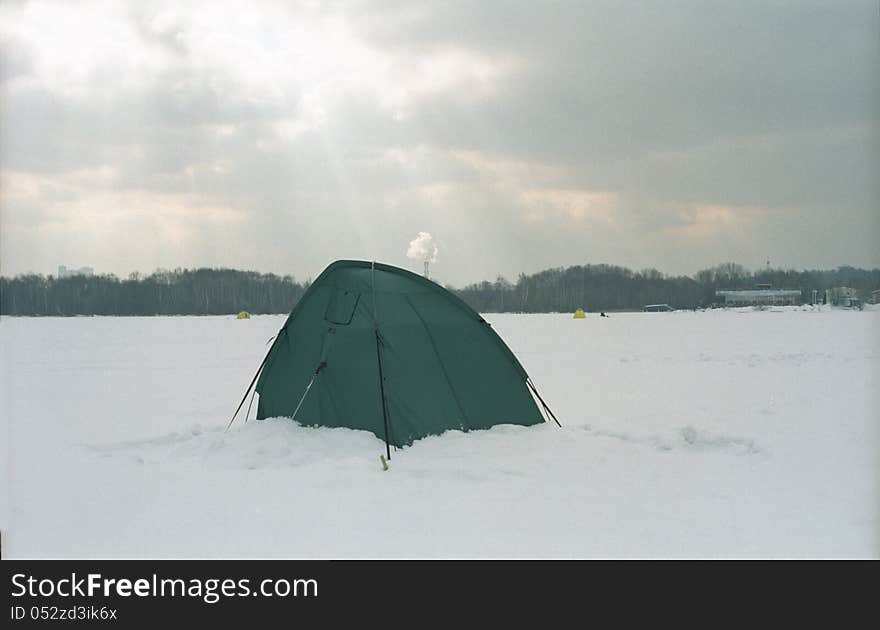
(711, 434)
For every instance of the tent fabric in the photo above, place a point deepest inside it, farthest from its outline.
(443, 366)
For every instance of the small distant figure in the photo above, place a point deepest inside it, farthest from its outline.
(602, 314)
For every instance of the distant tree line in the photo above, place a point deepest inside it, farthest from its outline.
(609, 288)
(224, 291)
(178, 292)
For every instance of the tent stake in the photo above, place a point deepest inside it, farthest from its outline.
(382, 391)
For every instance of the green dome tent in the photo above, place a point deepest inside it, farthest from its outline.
(374, 347)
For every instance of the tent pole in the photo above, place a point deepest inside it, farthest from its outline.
(320, 367)
(382, 391)
(248, 390)
(373, 291)
(379, 358)
(248, 412)
(543, 404)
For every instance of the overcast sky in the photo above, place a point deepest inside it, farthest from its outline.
(522, 135)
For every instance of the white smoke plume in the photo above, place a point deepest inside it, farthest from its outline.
(423, 247)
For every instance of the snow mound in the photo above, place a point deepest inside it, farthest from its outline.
(693, 438)
(282, 443)
(688, 438)
(270, 443)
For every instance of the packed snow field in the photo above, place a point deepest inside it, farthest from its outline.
(736, 433)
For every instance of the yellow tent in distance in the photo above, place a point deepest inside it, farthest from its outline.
(579, 314)
(243, 315)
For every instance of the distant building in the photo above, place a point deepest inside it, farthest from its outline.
(875, 296)
(64, 272)
(846, 297)
(762, 295)
(657, 308)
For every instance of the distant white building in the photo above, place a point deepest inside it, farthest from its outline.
(64, 272)
(763, 296)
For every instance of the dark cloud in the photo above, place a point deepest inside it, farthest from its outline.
(671, 135)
